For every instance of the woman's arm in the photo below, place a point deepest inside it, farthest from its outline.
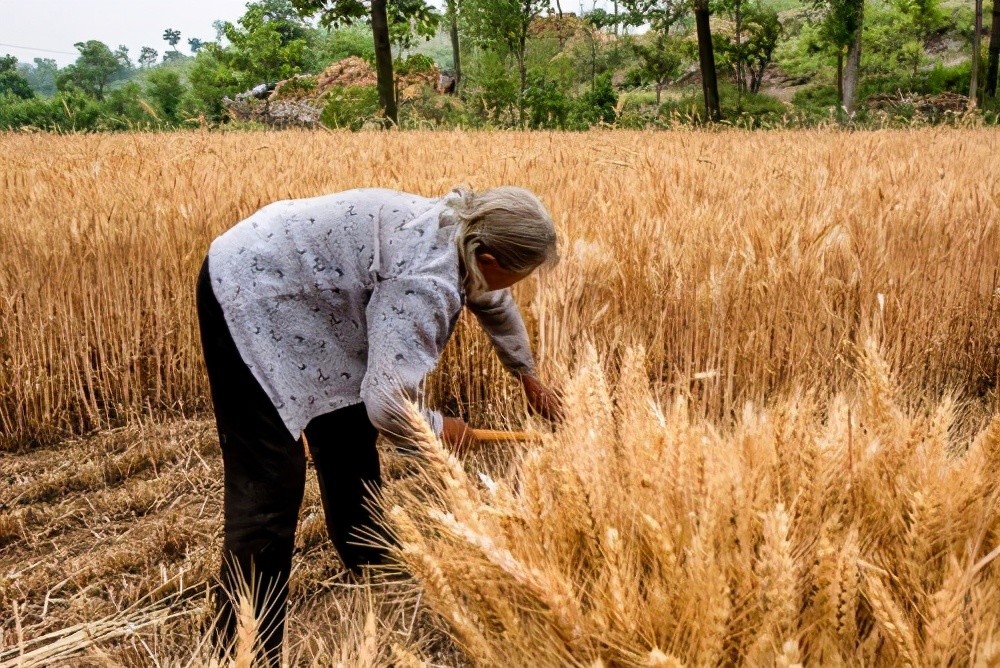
(501, 319)
(409, 321)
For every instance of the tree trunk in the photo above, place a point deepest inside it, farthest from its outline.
(522, 70)
(840, 75)
(456, 54)
(659, 89)
(383, 61)
(852, 69)
(706, 59)
(740, 73)
(976, 48)
(994, 60)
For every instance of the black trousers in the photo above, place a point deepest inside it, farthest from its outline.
(264, 471)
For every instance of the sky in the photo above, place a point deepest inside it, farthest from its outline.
(55, 25)
(32, 29)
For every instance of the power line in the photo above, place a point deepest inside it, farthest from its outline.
(31, 48)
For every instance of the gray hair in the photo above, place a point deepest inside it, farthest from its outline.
(507, 222)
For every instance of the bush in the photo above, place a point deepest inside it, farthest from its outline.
(16, 112)
(126, 110)
(942, 78)
(546, 103)
(597, 105)
(635, 78)
(436, 111)
(494, 88)
(816, 101)
(418, 63)
(747, 110)
(349, 107)
(166, 90)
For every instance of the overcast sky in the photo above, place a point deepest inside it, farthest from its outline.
(56, 25)
(32, 29)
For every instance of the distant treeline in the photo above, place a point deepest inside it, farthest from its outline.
(528, 64)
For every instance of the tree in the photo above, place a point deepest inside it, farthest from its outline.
(923, 19)
(164, 87)
(706, 60)
(172, 37)
(749, 50)
(93, 70)
(42, 76)
(195, 44)
(211, 80)
(380, 14)
(976, 49)
(148, 56)
(121, 53)
(452, 9)
(11, 81)
(661, 59)
(410, 20)
(852, 69)
(994, 58)
(503, 25)
(268, 43)
(841, 29)
(661, 14)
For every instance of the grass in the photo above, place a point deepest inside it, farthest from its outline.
(780, 353)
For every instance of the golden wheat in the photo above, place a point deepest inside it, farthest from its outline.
(745, 264)
(781, 442)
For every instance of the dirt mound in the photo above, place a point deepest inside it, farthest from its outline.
(352, 71)
(299, 101)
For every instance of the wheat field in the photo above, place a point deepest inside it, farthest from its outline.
(780, 355)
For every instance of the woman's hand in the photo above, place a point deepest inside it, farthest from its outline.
(541, 399)
(457, 435)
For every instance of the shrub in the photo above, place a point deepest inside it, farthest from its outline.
(546, 103)
(597, 105)
(418, 63)
(349, 106)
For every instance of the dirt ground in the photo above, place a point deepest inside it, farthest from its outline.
(107, 544)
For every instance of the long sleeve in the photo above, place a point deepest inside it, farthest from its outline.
(410, 319)
(500, 318)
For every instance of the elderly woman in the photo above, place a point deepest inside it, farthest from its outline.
(319, 316)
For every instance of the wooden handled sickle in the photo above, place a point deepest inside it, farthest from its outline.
(494, 436)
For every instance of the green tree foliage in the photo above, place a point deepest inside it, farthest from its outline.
(211, 79)
(165, 89)
(270, 42)
(172, 37)
(94, 69)
(502, 26)
(749, 48)
(390, 20)
(148, 56)
(411, 21)
(921, 19)
(11, 81)
(598, 104)
(661, 57)
(334, 45)
(42, 75)
(415, 17)
(837, 29)
(546, 102)
(195, 44)
(121, 53)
